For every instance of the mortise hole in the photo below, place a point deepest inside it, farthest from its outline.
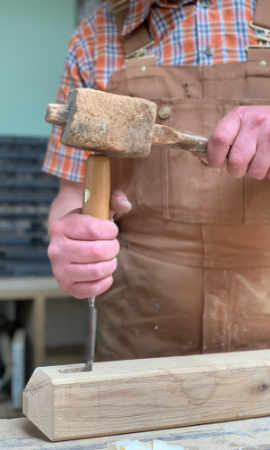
(77, 370)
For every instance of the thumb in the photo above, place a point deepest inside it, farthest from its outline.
(119, 203)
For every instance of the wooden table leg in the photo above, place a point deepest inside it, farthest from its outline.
(39, 330)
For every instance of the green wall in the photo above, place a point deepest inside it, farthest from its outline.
(33, 41)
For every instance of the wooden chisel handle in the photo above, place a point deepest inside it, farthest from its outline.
(96, 203)
(97, 187)
(167, 135)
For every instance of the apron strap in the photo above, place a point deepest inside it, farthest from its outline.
(261, 23)
(135, 43)
(262, 14)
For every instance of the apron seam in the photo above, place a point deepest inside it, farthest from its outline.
(204, 270)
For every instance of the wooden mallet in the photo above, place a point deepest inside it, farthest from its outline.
(112, 125)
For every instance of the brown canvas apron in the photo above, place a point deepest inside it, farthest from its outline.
(194, 267)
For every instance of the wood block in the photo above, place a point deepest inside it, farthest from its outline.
(150, 394)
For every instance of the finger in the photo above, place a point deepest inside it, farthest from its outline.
(92, 289)
(92, 252)
(83, 227)
(260, 164)
(241, 152)
(220, 142)
(82, 252)
(91, 272)
(120, 203)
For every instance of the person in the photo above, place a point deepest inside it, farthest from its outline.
(193, 272)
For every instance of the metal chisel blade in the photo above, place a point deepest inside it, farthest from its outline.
(92, 334)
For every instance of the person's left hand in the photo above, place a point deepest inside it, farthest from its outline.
(241, 142)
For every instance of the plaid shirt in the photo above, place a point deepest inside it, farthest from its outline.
(201, 32)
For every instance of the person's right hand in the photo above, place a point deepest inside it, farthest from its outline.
(83, 250)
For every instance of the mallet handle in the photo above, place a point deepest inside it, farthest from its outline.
(57, 114)
(97, 187)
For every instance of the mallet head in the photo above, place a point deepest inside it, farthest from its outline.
(106, 123)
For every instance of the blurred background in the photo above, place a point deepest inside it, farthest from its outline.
(39, 324)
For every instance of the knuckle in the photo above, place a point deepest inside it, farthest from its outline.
(56, 228)
(53, 251)
(103, 270)
(220, 137)
(256, 173)
(98, 271)
(109, 282)
(239, 110)
(258, 176)
(93, 229)
(116, 247)
(99, 287)
(101, 251)
(114, 264)
(236, 160)
(259, 119)
(99, 231)
(267, 132)
(98, 251)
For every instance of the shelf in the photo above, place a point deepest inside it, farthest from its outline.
(39, 290)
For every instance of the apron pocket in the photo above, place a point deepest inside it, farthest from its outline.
(258, 74)
(257, 201)
(153, 309)
(237, 310)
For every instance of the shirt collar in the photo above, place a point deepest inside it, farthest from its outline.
(139, 10)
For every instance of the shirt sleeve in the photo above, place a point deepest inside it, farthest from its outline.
(60, 160)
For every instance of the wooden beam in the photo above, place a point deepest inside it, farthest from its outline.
(150, 394)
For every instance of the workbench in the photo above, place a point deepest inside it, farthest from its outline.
(39, 290)
(238, 435)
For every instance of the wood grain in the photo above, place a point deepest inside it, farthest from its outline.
(150, 394)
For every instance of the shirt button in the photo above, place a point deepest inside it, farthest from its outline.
(208, 51)
(164, 112)
(143, 68)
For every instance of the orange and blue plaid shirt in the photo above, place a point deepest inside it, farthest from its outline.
(201, 32)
